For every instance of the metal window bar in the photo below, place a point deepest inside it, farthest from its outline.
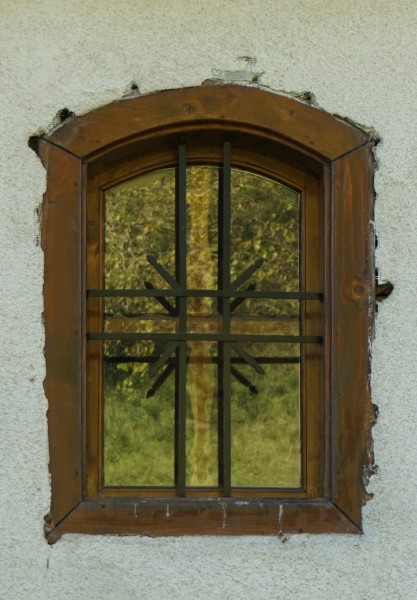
(224, 374)
(181, 277)
(209, 337)
(263, 360)
(226, 293)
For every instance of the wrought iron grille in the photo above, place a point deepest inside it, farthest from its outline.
(175, 355)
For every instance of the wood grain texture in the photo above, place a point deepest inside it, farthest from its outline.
(63, 318)
(230, 106)
(353, 296)
(203, 517)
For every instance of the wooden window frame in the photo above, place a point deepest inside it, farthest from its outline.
(306, 139)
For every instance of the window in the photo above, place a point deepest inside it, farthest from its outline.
(208, 262)
(195, 351)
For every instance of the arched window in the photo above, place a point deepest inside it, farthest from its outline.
(208, 279)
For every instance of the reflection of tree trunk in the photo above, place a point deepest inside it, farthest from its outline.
(201, 388)
(201, 375)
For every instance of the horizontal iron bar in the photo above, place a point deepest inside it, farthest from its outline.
(208, 337)
(160, 316)
(264, 360)
(275, 295)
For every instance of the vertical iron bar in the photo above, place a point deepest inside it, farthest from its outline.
(224, 307)
(181, 276)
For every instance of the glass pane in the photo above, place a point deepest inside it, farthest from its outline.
(139, 410)
(202, 249)
(202, 198)
(266, 442)
(142, 315)
(139, 416)
(202, 414)
(265, 224)
(265, 316)
(139, 221)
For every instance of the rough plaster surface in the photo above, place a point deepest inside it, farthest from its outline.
(358, 58)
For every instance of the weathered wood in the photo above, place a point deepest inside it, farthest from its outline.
(312, 320)
(93, 408)
(352, 305)
(63, 319)
(204, 517)
(226, 106)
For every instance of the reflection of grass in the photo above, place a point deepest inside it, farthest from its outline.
(266, 428)
(139, 431)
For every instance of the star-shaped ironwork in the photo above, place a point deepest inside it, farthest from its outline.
(171, 347)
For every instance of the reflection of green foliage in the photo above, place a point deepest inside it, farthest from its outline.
(140, 220)
(266, 428)
(265, 224)
(139, 430)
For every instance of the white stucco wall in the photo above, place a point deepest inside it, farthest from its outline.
(359, 59)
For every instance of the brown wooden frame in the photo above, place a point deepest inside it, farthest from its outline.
(340, 155)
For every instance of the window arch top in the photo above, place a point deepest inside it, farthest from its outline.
(229, 106)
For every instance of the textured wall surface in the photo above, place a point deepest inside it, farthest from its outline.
(359, 59)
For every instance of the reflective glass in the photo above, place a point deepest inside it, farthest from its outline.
(139, 420)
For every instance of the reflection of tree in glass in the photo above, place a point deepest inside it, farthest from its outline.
(140, 220)
(138, 427)
(201, 374)
(266, 427)
(265, 223)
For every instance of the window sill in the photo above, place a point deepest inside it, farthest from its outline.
(184, 516)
